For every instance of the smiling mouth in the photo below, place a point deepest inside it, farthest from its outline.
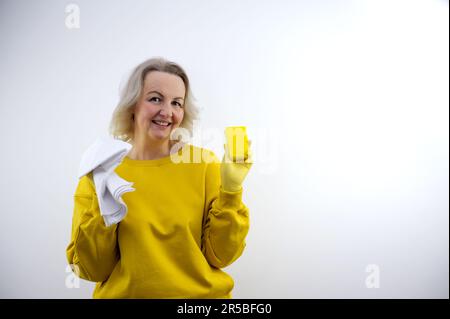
(161, 123)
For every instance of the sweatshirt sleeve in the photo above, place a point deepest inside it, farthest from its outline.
(225, 222)
(92, 251)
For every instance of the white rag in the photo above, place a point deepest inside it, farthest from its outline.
(102, 157)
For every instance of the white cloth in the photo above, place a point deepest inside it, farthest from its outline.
(102, 157)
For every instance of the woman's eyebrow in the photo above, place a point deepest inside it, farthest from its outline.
(177, 98)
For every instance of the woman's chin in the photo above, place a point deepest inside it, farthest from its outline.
(161, 136)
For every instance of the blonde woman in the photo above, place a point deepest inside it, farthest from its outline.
(185, 220)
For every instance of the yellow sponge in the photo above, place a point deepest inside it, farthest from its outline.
(237, 141)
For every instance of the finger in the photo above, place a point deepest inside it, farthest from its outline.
(250, 157)
(249, 152)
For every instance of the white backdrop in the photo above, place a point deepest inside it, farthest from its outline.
(347, 104)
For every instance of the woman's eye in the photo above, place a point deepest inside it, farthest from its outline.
(157, 99)
(153, 98)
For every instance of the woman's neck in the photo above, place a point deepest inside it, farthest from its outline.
(149, 151)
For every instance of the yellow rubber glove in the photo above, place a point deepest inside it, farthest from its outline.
(234, 173)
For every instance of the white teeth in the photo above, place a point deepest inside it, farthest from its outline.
(162, 123)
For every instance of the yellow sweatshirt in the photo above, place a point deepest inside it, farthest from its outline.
(180, 229)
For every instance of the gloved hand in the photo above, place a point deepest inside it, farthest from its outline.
(234, 173)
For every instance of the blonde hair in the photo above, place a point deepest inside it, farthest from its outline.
(121, 125)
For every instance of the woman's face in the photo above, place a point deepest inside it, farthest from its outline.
(160, 109)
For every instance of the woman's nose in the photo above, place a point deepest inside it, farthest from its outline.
(166, 110)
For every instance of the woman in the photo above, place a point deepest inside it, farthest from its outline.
(185, 220)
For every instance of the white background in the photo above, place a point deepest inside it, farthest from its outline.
(347, 104)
